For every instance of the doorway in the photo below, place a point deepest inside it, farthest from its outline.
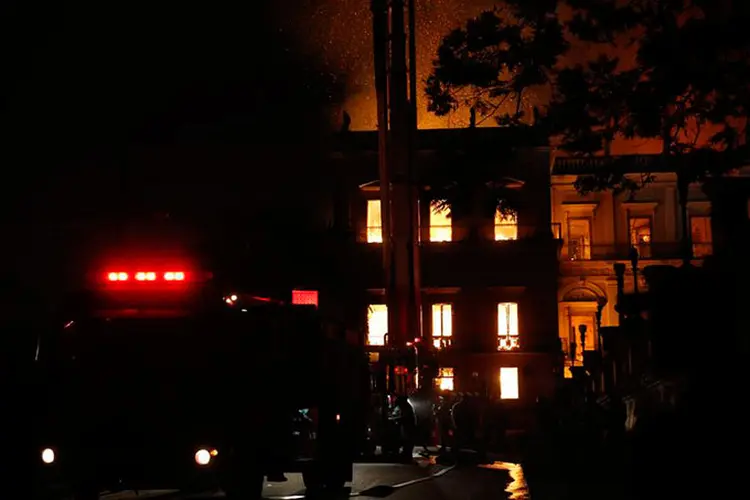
(589, 320)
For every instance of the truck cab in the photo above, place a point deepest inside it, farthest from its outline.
(158, 378)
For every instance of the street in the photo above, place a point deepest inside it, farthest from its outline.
(393, 481)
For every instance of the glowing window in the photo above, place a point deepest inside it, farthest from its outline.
(506, 227)
(509, 383)
(442, 325)
(507, 326)
(444, 380)
(700, 234)
(441, 228)
(377, 324)
(579, 238)
(640, 235)
(374, 222)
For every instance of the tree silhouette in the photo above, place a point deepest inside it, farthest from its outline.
(672, 94)
(689, 86)
(728, 57)
(493, 66)
(589, 105)
(467, 183)
(494, 62)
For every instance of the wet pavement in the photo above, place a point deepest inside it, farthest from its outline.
(367, 478)
(498, 481)
(426, 479)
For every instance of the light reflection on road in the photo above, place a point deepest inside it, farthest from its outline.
(517, 489)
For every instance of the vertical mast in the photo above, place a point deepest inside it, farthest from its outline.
(380, 49)
(396, 134)
(415, 261)
(413, 65)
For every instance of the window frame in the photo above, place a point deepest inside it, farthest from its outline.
(372, 312)
(516, 393)
(441, 336)
(375, 231)
(452, 377)
(705, 244)
(588, 245)
(498, 223)
(448, 228)
(648, 246)
(508, 341)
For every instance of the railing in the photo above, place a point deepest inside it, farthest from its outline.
(372, 234)
(508, 343)
(701, 250)
(576, 251)
(442, 342)
(592, 164)
(494, 234)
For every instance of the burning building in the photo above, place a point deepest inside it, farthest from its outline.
(488, 281)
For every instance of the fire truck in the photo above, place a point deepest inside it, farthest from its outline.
(159, 376)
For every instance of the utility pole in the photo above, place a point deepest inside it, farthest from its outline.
(381, 50)
(414, 206)
(413, 67)
(398, 189)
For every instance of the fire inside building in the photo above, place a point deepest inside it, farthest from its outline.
(508, 304)
(488, 290)
(512, 303)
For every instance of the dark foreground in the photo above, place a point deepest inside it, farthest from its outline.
(392, 481)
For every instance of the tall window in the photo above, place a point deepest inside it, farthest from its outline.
(507, 326)
(509, 383)
(374, 222)
(579, 238)
(440, 224)
(444, 380)
(640, 235)
(506, 227)
(442, 325)
(700, 234)
(377, 324)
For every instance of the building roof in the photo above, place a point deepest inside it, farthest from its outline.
(458, 138)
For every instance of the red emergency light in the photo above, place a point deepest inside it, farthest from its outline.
(121, 276)
(305, 297)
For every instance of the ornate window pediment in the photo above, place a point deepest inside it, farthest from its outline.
(580, 295)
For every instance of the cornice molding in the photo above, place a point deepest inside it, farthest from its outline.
(642, 206)
(580, 206)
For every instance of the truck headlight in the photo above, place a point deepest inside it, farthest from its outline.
(204, 456)
(48, 456)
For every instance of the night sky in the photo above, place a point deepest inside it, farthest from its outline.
(112, 69)
(342, 29)
(86, 84)
(118, 68)
(84, 81)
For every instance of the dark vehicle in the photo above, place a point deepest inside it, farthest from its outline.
(160, 380)
(394, 373)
